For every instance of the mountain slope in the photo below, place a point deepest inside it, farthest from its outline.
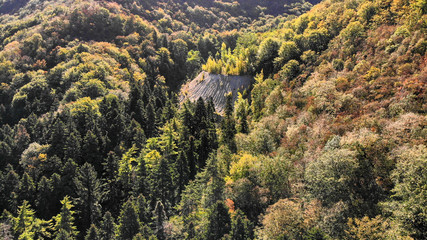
(329, 143)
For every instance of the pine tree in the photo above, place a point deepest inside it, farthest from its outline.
(113, 120)
(63, 235)
(159, 219)
(161, 182)
(241, 227)
(24, 221)
(136, 135)
(228, 125)
(218, 221)
(64, 221)
(72, 144)
(43, 198)
(68, 172)
(144, 214)
(108, 227)
(58, 139)
(200, 116)
(89, 191)
(11, 184)
(113, 190)
(92, 233)
(150, 127)
(91, 150)
(128, 222)
(27, 188)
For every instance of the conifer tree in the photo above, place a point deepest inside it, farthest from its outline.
(128, 222)
(89, 191)
(92, 233)
(91, 150)
(58, 139)
(150, 127)
(113, 120)
(27, 188)
(63, 235)
(228, 125)
(218, 221)
(64, 221)
(72, 145)
(159, 219)
(107, 227)
(43, 198)
(144, 213)
(113, 189)
(23, 222)
(241, 227)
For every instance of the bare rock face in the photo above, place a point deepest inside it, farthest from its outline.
(215, 86)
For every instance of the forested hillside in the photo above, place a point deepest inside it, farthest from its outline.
(329, 143)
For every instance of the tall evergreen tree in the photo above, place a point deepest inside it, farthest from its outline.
(228, 125)
(113, 121)
(218, 221)
(23, 222)
(128, 222)
(58, 139)
(241, 227)
(27, 188)
(159, 220)
(91, 150)
(43, 198)
(108, 227)
(92, 233)
(64, 221)
(89, 192)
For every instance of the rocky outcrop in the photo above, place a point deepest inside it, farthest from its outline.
(215, 86)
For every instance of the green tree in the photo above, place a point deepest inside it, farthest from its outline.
(218, 221)
(89, 191)
(64, 221)
(330, 178)
(107, 227)
(92, 233)
(23, 223)
(267, 52)
(241, 227)
(288, 51)
(129, 224)
(159, 220)
(409, 202)
(241, 112)
(228, 125)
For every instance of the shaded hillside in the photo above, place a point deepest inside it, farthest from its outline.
(215, 86)
(11, 6)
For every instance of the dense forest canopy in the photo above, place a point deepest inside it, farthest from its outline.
(329, 142)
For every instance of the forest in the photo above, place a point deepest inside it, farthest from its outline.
(328, 143)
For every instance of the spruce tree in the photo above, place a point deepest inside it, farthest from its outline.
(43, 198)
(128, 222)
(107, 227)
(89, 192)
(241, 227)
(64, 221)
(91, 150)
(27, 188)
(218, 221)
(92, 233)
(228, 125)
(58, 139)
(159, 219)
(24, 221)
